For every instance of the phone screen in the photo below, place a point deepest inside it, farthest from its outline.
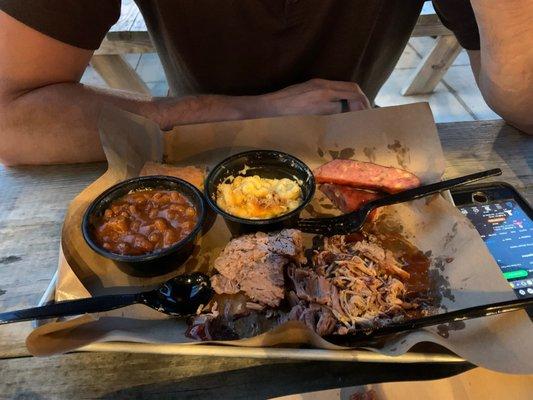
(508, 233)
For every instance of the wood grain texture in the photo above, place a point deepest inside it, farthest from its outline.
(430, 25)
(433, 67)
(146, 376)
(135, 43)
(33, 201)
(475, 146)
(118, 74)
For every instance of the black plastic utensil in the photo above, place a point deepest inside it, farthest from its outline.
(352, 222)
(485, 310)
(179, 296)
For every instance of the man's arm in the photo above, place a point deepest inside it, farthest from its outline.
(47, 116)
(504, 66)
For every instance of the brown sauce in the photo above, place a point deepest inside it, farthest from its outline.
(417, 264)
(413, 261)
(145, 221)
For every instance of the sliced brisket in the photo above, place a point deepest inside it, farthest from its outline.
(254, 264)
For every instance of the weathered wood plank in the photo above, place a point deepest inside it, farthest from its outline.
(127, 376)
(33, 201)
(430, 25)
(433, 67)
(118, 74)
(138, 43)
(479, 145)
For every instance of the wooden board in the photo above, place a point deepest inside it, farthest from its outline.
(480, 145)
(118, 74)
(429, 25)
(33, 201)
(433, 66)
(149, 376)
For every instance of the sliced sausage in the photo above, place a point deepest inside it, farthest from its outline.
(346, 198)
(365, 175)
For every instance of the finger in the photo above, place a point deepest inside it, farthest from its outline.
(358, 102)
(332, 107)
(327, 101)
(357, 105)
(352, 105)
(366, 101)
(339, 95)
(344, 87)
(345, 106)
(341, 86)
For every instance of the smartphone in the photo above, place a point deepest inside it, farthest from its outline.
(504, 219)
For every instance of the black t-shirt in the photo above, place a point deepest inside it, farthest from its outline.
(256, 46)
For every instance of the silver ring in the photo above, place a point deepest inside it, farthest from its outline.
(345, 106)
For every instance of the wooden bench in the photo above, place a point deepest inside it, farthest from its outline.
(435, 64)
(130, 35)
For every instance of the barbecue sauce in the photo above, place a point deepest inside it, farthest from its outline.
(413, 261)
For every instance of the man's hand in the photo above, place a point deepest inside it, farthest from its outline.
(317, 96)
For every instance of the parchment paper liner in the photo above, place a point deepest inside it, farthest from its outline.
(403, 136)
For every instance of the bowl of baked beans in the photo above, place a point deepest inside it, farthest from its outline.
(145, 219)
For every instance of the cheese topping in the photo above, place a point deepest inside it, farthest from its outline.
(253, 197)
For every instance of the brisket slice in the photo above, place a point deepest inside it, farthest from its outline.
(365, 175)
(314, 288)
(218, 327)
(317, 297)
(316, 317)
(254, 265)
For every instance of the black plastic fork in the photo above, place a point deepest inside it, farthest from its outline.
(352, 222)
(370, 337)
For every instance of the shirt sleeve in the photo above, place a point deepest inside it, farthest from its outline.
(80, 23)
(458, 16)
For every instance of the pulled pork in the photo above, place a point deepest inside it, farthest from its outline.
(369, 281)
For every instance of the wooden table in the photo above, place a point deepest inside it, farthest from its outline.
(33, 201)
(130, 35)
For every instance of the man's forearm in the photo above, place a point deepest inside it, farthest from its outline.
(59, 123)
(505, 74)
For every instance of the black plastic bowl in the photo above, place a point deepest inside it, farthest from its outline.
(175, 254)
(267, 164)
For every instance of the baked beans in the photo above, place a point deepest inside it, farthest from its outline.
(145, 221)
